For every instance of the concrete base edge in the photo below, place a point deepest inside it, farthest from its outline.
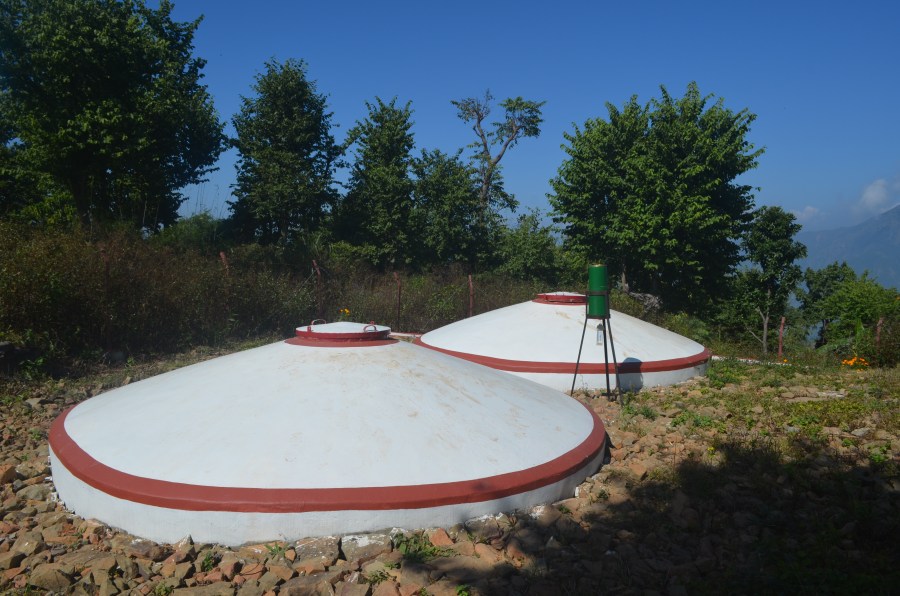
(233, 528)
(630, 381)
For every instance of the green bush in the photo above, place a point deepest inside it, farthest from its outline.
(688, 326)
(200, 233)
(70, 296)
(427, 300)
(73, 297)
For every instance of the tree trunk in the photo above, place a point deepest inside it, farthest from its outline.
(764, 340)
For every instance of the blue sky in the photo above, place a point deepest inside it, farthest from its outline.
(823, 79)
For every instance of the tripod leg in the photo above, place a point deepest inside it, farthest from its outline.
(612, 346)
(606, 361)
(578, 361)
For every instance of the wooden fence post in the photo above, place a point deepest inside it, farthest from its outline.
(878, 332)
(780, 339)
(224, 260)
(399, 289)
(319, 306)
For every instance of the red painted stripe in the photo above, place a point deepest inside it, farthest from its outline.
(190, 497)
(586, 368)
(339, 343)
(360, 336)
(559, 302)
(561, 299)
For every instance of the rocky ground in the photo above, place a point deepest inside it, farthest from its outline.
(757, 479)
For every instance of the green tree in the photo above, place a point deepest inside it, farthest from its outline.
(774, 274)
(821, 284)
(652, 192)
(105, 99)
(17, 186)
(375, 215)
(528, 250)
(599, 190)
(522, 118)
(285, 171)
(448, 211)
(854, 310)
(201, 233)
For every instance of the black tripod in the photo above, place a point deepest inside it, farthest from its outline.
(606, 325)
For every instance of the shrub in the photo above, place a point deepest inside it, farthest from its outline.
(70, 296)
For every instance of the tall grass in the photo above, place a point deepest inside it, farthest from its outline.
(69, 296)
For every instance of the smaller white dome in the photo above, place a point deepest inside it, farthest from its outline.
(539, 340)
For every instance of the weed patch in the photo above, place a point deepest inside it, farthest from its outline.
(634, 409)
(417, 548)
(724, 371)
(693, 419)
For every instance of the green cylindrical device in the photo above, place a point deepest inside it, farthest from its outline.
(598, 292)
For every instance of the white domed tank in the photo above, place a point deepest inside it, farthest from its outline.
(339, 429)
(539, 340)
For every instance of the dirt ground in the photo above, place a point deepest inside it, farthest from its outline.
(754, 480)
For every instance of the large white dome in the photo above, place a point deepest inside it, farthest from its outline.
(340, 429)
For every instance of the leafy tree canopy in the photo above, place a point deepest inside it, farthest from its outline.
(375, 214)
(529, 251)
(773, 252)
(18, 186)
(820, 285)
(770, 245)
(858, 304)
(652, 191)
(201, 233)
(522, 118)
(447, 209)
(285, 172)
(105, 99)
(856, 315)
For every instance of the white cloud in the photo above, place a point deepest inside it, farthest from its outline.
(806, 215)
(875, 196)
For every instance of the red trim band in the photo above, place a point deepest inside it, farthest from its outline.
(190, 497)
(586, 368)
(311, 333)
(339, 343)
(558, 302)
(561, 299)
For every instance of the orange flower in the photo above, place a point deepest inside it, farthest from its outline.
(855, 361)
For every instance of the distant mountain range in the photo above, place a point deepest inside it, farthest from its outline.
(873, 245)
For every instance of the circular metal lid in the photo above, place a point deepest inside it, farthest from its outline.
(560, 298)
(342, 333)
